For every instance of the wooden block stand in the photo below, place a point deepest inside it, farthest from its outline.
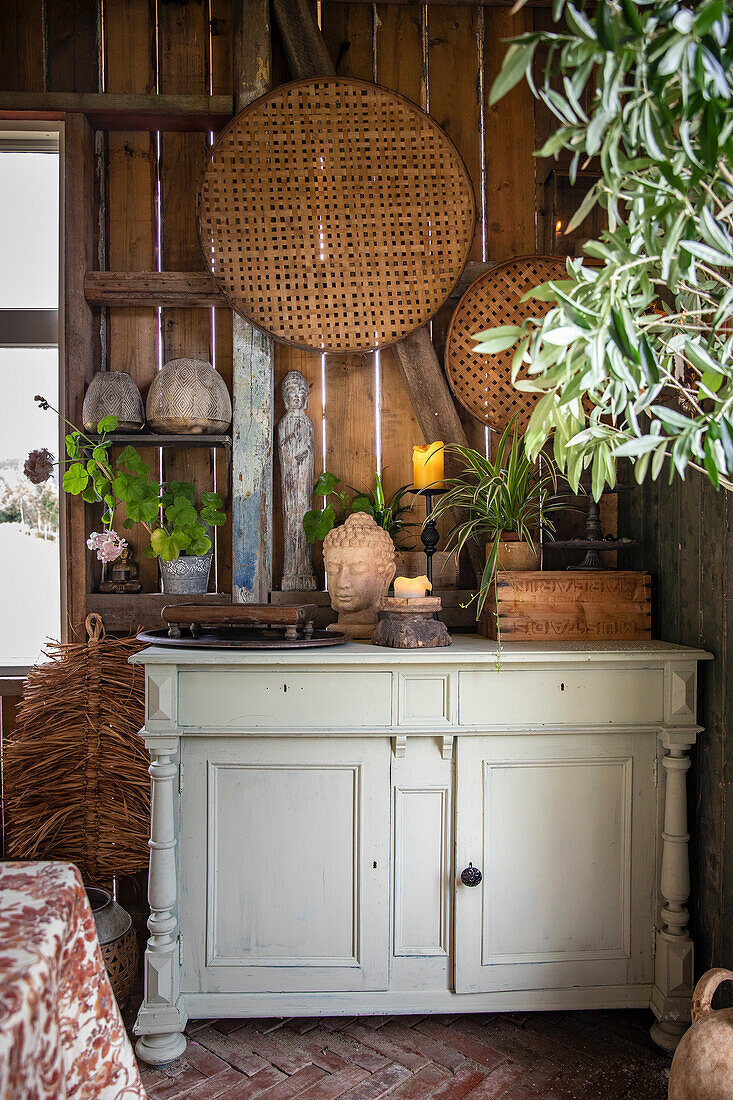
(567, 606)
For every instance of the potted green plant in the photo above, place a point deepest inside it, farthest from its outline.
(178, 530)
(503, 501)
(388, 514)
(634, 359)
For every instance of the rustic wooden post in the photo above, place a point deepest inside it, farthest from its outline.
(252, 424)
(427, 386)
(82, 346)
(674, 960)
(161, 1021)
(305, 50)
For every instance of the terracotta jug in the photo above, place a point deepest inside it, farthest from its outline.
(702, 1067)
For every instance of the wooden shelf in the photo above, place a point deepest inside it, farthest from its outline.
(591, 544)
(135, 289)
(151, 439)
(127, 612)
(111, 111)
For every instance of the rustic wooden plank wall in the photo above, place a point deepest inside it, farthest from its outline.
(147, 187)
(443, 57)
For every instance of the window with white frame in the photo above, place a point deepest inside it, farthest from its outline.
(29, 365)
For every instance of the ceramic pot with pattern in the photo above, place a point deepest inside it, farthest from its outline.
(113, 393)
(188, 397)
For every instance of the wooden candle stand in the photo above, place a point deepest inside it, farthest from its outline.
(409, 623)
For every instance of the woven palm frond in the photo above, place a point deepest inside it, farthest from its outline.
(76, 769)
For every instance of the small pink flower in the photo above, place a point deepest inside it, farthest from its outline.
(108, 545)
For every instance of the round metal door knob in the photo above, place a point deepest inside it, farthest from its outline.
(471, 876)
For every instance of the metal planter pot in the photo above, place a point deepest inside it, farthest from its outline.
(117, 941)
(187, 575)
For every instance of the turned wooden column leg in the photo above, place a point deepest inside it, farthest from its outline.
(160, 1022)
(674, 963)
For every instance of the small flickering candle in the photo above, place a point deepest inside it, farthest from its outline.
(411, 588)
(428, 466)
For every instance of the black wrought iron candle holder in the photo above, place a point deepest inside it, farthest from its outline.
(429, 536)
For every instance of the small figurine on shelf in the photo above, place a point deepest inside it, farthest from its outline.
(122, 575)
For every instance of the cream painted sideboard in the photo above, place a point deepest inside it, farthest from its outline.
(313, 812)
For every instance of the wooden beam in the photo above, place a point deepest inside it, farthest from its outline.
(428, 388)
(112, 111)
(253, 354)
(81, 349)
(434, 407)
(471, 272)
(194, 288)
(305, 50)
(152, 288)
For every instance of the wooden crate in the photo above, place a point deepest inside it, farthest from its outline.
(556, 606)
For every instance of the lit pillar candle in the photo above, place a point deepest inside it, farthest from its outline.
(411, 587)
(428, 466)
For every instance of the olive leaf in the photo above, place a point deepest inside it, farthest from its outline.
(634, 359)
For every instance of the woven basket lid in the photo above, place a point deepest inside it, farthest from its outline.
(483, 383)
(335, 215)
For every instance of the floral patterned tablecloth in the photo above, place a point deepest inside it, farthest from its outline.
(61, 1035)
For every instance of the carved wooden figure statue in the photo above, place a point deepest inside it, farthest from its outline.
(295, 434)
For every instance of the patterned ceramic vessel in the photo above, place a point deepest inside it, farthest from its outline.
(186, 575)
(113, 393)
(188, 397)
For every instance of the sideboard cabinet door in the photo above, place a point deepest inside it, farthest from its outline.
(286, 886)
(563, 832)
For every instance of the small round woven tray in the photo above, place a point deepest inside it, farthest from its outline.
(335, 215)
(483, 383)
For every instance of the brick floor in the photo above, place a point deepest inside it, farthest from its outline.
(512, 1056)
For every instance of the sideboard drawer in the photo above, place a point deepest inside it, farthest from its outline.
(552, 697)
(213, 699)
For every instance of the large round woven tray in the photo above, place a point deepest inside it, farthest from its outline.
(335, 215)
(483, 383)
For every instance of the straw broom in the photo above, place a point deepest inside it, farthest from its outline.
(76, 769)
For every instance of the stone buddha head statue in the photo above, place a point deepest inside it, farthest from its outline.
(295, 391)
(360, 564)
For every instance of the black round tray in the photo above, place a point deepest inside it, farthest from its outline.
(242, 638)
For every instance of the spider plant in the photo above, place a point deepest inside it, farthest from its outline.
(388, 513)
(496, 497)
